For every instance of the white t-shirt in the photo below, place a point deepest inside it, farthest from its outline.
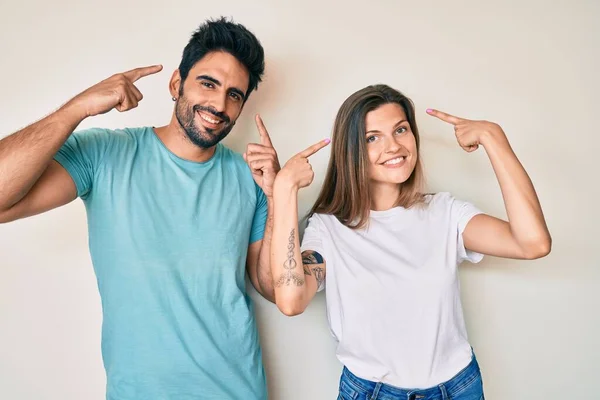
(393, 295)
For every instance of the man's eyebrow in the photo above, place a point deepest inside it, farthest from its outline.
(240, 92)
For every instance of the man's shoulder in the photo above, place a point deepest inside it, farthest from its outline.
(235, 160)
(107, 135)
(231, 156)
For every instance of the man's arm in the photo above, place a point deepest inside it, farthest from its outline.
(53, 189)
(25, 158)
(30, 182)
(264, 165)
(259, 260)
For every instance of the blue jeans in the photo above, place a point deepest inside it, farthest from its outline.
(466, 385)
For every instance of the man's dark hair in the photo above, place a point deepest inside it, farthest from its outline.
(230, 37)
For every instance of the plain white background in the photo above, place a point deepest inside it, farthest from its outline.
(528, 65)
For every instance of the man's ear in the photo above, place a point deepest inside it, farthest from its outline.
(175, 84)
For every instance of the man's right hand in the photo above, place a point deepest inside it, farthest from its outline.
(118, 92)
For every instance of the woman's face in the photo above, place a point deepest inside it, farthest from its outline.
(391, 145)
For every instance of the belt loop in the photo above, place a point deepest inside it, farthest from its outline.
(444, 392)
(376, 391)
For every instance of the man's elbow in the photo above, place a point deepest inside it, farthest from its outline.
(267, 294)
(5, 216)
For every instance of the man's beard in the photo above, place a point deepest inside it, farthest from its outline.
(186, 116)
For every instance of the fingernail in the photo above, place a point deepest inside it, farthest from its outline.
(327, 140)
(429, 110)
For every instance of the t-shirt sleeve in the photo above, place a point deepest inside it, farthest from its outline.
(462, 212)
(81, 155)
(260, 216)
(312, 240)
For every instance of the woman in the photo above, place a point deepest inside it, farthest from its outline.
(390, 253)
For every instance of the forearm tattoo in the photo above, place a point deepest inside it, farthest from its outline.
(311, 261)
(290, 264)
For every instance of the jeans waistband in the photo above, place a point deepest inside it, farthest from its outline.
(449, 388)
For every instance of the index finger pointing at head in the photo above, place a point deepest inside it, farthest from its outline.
(451, 119)
(265, 139)
(314, 148)
(137, 73)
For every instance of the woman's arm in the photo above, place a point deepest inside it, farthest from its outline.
(525, 234)
(295, 281)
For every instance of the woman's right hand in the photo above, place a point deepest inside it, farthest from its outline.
(297, 172)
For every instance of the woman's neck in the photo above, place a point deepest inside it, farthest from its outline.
(384, 196)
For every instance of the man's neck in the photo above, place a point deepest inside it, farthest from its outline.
(175, 139)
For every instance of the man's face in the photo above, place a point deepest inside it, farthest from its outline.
(211, 98)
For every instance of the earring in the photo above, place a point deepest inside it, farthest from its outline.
(173, 98)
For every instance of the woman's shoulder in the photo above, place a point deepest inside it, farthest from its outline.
(318, 218)
(439, 198)
(440, 202)
(327, 222)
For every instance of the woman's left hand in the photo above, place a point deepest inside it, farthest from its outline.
(470, 134)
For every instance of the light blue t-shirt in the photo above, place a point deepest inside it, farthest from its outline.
(168, 239)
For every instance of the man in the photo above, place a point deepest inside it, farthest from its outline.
(175, 220)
